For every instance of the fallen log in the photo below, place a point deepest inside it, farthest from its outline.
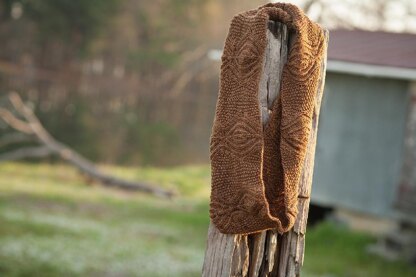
(29, 124)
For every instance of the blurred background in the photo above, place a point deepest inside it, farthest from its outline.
(123, 94)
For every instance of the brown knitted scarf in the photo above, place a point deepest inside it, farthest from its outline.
(255, 173)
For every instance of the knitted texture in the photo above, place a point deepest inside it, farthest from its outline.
(255, 173)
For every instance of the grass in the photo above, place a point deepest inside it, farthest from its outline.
(53, 224)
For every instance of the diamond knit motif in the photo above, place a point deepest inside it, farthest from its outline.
(239, 140)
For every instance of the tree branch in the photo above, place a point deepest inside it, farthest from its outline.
(26, 152)
(14, 138)
(10, 119)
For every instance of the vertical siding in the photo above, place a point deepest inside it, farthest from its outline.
(361, 132)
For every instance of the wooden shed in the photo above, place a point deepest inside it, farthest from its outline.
(366, 131)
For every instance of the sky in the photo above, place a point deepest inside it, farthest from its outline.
(396, 16)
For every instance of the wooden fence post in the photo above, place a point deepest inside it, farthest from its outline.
(267, 253)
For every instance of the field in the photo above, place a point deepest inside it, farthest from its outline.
(52, 223)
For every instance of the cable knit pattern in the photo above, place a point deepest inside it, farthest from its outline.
(255, 173)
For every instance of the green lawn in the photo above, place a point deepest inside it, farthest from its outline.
(53, 224)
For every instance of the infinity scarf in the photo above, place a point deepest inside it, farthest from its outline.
(255, 173)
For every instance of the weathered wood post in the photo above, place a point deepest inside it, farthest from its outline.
(268, 253)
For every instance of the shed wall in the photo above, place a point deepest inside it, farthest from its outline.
(360, 142)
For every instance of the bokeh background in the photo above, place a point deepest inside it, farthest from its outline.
(132, 85)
